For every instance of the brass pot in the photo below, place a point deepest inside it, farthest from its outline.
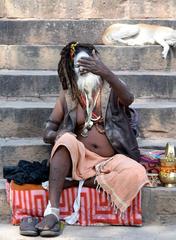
(168, 178)
(165, 163)
(169, 166)
(170, 152)
(167, 173)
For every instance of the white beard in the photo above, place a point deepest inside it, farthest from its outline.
(89, 84)
(86, 81)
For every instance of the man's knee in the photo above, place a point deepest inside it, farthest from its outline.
(63, 147)
(138, 170)
(60, 156)
(62, 159)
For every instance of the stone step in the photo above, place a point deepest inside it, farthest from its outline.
(158, 205)
(29, 84)
(117, 58)
(14, 149)
(156, 118)
(34, 149)
(152, 232)
(26, 118)
(31, 149)
(87, 9)
(5, 212)
(52, 32)
(149, 143)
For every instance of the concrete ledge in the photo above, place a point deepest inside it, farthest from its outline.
(117, 58)
(156, 118)
(99, 232)
(5, 212)
(54, 32)
(34, 149)
(28, 84)
(2, 9)
(149, 143)
(158, 205)
(90, 9)
(26, 119)
(3, 56)
(30, 149)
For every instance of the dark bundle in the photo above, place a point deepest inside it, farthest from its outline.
(66, 65)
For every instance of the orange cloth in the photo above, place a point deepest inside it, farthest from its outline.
(119, 176)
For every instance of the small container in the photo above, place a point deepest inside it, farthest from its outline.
(167, 173)
(169, 179)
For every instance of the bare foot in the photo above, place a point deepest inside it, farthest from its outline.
(47, 222)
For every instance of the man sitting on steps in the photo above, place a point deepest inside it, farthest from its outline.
(91, 133)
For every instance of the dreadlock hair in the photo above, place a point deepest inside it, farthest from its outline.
(66, 65)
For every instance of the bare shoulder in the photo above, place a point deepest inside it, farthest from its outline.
(58, 111)
(61, 98)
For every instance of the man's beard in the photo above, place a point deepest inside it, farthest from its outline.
(88, 83)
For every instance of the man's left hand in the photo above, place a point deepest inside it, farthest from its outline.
(94, 65)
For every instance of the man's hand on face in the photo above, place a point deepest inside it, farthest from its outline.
(93, 64)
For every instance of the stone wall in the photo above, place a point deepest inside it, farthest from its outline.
(2, 8)
(86, 9)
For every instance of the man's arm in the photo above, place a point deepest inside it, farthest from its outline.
(96, 66)
(52, 124)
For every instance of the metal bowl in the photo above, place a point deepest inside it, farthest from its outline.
(169, 179)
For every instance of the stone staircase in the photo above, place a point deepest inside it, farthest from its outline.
(31, 37)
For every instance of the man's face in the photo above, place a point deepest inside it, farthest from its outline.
(78, 69)
(86, 81)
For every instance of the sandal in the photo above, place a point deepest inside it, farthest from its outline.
(53, 232)
(27, 226)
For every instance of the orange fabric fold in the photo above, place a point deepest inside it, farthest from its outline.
(26, 186)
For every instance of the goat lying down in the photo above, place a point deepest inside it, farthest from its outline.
(140, 34)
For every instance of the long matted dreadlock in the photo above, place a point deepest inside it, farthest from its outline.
(66, 65)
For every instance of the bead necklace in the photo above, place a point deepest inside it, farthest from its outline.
(95, 119)
(94, 116)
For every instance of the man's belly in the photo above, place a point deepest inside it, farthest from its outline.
(96, 142)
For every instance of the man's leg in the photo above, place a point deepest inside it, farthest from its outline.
(60, 167)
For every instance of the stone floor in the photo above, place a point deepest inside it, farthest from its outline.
(9, 232)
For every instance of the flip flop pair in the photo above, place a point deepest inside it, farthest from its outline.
(27, 228)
